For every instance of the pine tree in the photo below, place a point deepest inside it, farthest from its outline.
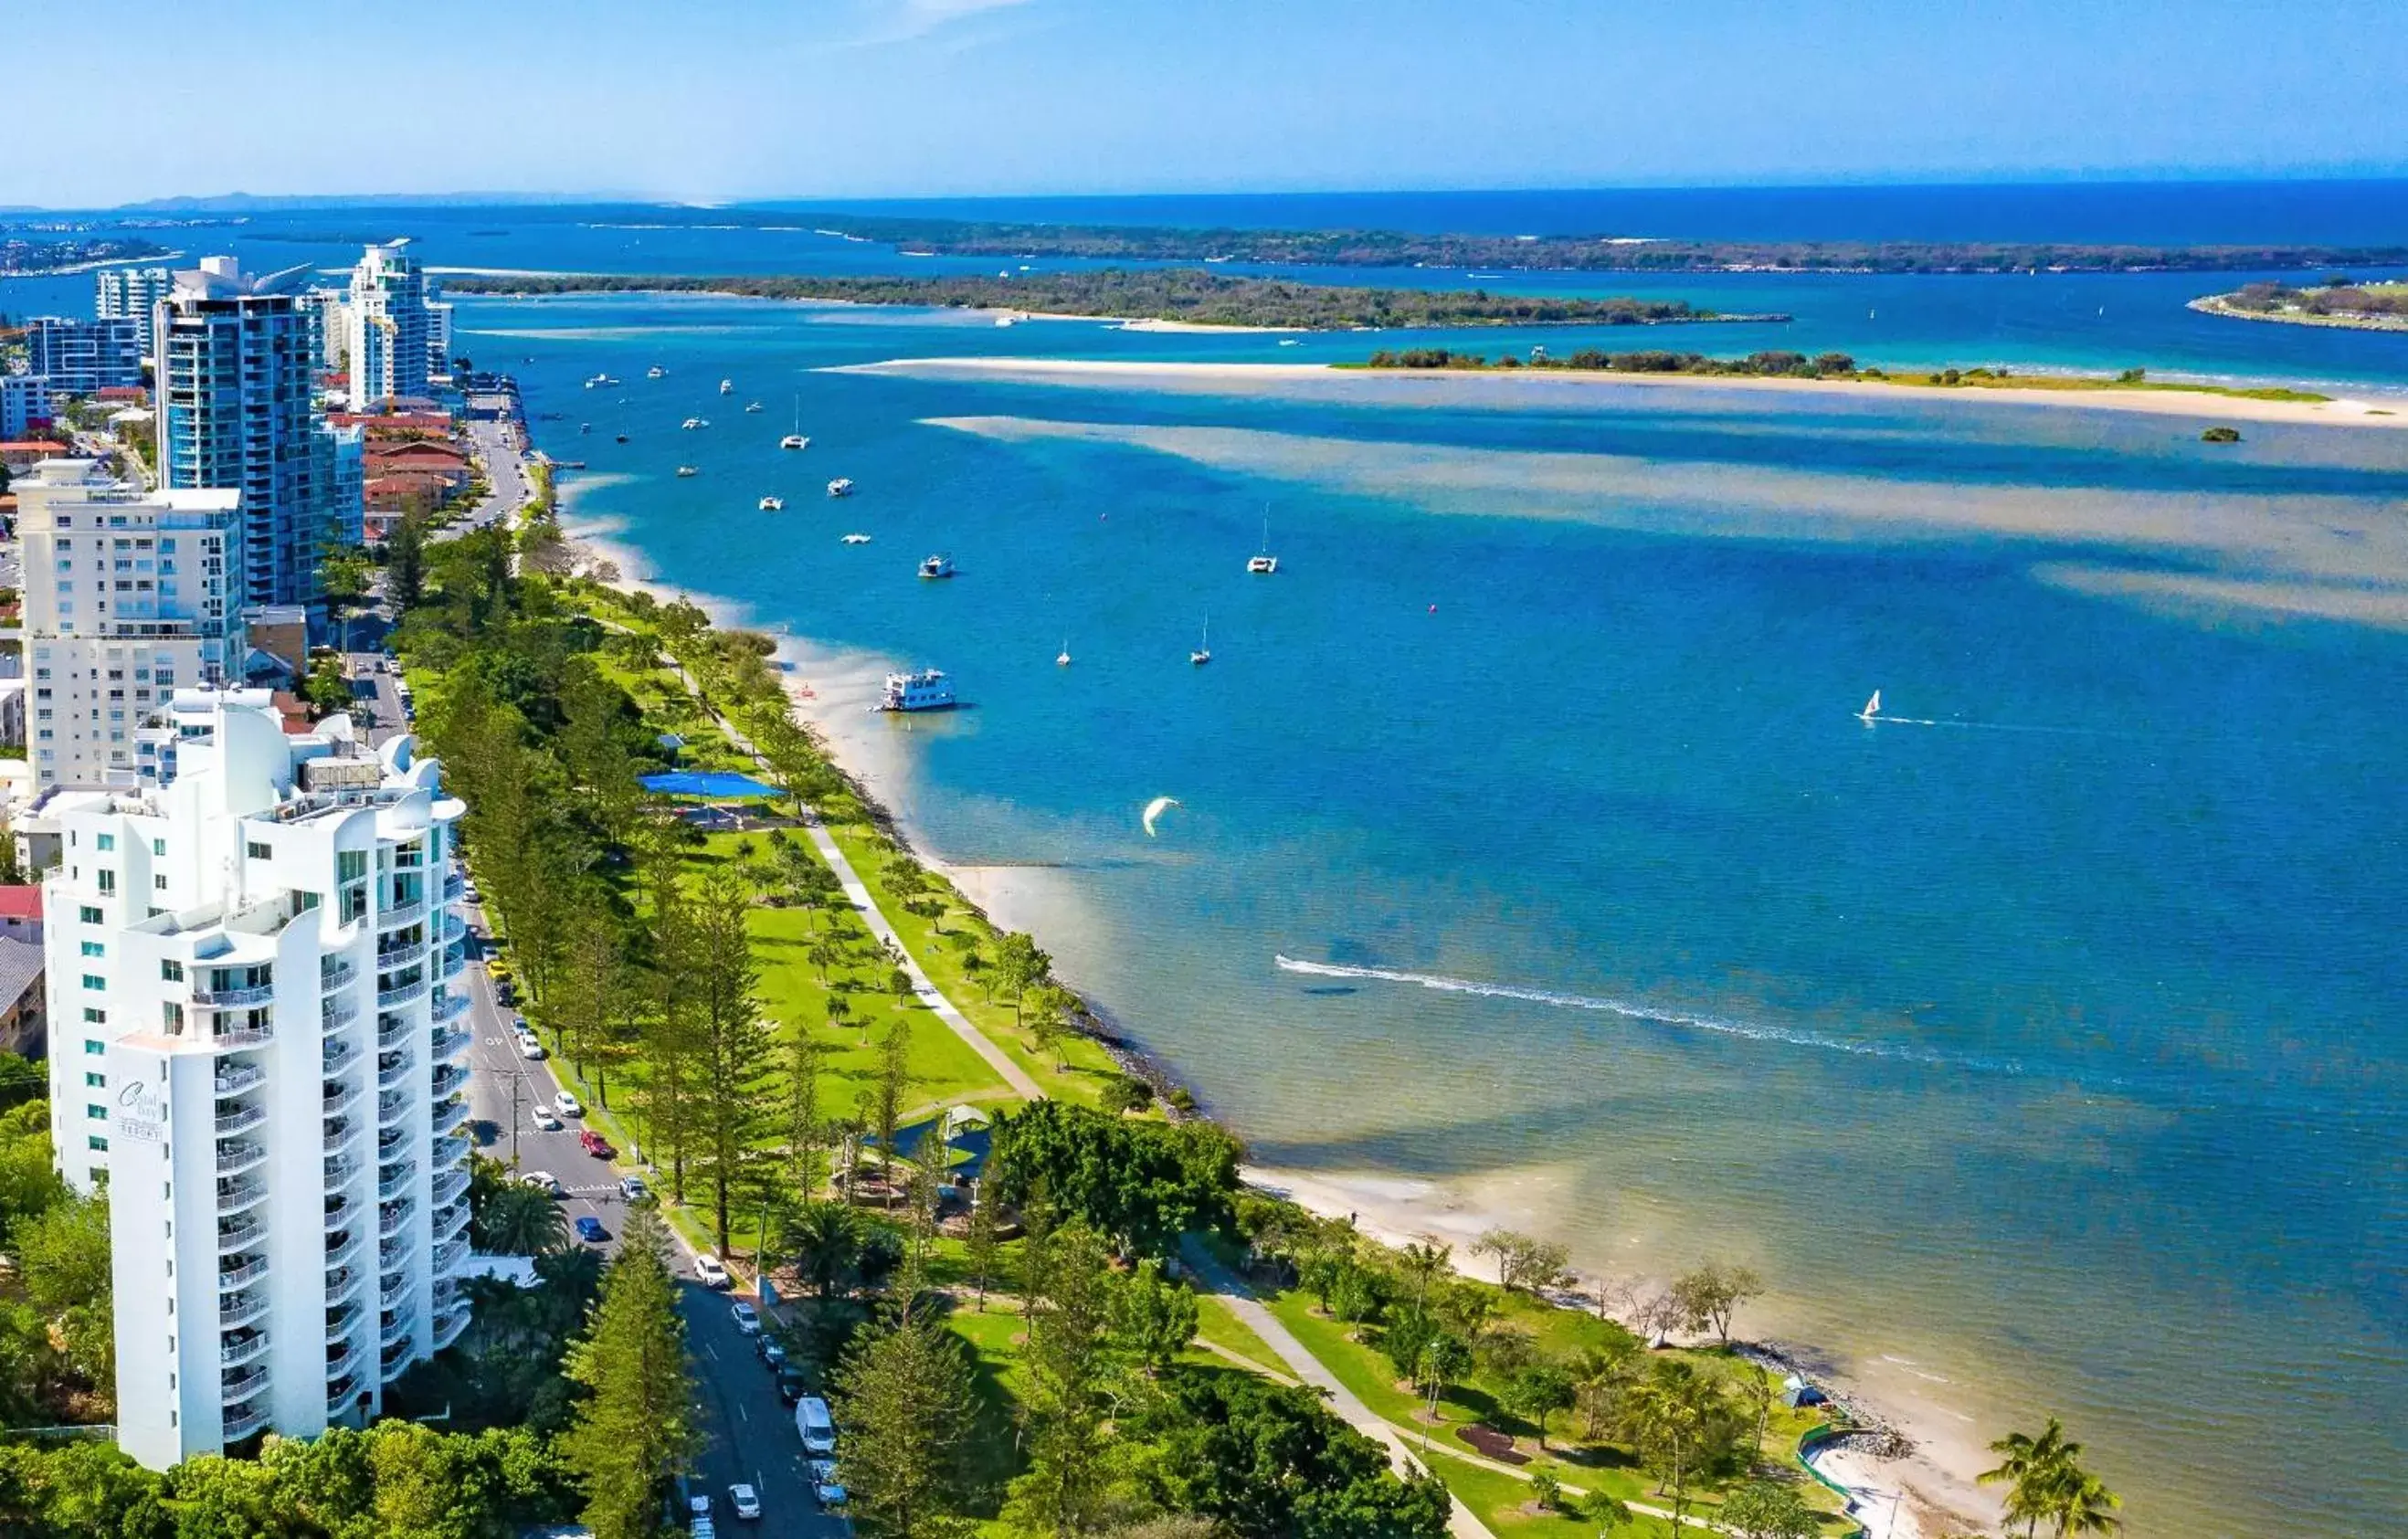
(636, 1429)
(904, 1394)
(805, 1053)
(732, 1107)
(893, 1082)
(1075, 1366)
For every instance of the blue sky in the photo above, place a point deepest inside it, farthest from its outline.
(745, 98)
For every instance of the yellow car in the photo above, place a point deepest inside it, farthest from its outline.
(499, 970)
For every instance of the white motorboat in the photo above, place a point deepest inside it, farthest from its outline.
(922, 690)
(773, 504)
(840, 487)
(937, 567)
(693, 424)
(728, 386)
(856, 540)
(689, 470)
(752, 406)
(655, 372)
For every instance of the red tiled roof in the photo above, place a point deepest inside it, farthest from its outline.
(32, 445)
(20, 903)
(121, 393)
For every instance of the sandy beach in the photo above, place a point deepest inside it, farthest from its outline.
(2198, 404)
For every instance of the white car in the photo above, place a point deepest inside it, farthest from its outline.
(568, 1104)
(746, 1319)
(545, 1121)
(543, 1181)
(697, 1508)
(744, 1502)
(707, 1270)
(530, 1049)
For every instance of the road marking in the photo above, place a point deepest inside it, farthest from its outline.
(713, 1350)
(741, 1414)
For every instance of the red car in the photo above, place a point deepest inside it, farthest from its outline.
(595, 1144)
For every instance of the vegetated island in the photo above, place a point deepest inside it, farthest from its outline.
(1779, 364)
(21, 258)
(1594, 252)
(2335, 302)
(1171, 295)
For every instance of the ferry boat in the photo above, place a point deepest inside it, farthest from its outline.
(924, 689)
(728, 386)
(655, 372)
(937, 567)
(773, 504)
(692, 423)
(840, 487)
(688, 470)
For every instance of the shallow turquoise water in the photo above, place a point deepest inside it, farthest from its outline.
(2049, 1058)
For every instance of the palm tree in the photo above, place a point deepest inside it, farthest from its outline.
(520, 1221)
(1423, 1264)
(2031, 1469)
(2084, 1506)
(826, 1240)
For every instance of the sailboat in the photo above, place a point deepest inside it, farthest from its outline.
(1266, 564)
(1203, 653)
(1871, 712)
(1062, 658)
(796, 438)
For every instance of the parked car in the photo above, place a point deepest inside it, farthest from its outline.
(707, 1270)
(745, 1503)
(746, 1319)
(590, 1230)
(545, 1121)
(773, 1352)
(595, 1144)
(530, 1049)
(790, 1385)
(828, 1487)
(567, 1104)
(816, 1427)
(543, 1181)
(631, 1187)
(496, 969)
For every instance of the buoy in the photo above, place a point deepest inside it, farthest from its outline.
(1433, 609)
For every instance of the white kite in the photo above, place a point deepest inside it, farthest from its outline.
(1155, 809)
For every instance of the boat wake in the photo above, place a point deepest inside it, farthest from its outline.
(1652, 1015)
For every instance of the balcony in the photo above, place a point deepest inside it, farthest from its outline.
(449, 1257)
(453, 930)
(448, 1325)
(235, 1196)
(242, 1310)
(456, 886)
(240, 1119)
(240, 1037)
(391, 1106)
(340, 1170)
(452, 1149)
(394, 1361)
(394, 1330)
(397, 1178)
(342, 1132)
(335, 1014)
(449, 1187)
(246, 1348)
(240, 1233)
(450, 1007)
(340, 1319)
(239, 1387)
(341, 1211)
(448, 1080)
(339, 976)
(392, 1292)
(233, 997)
(400, 994)
(340, 1366)
(234, 1078)
(449, 1114)
(344, 1281)
(397, 914)
(336, 1058)
(394, 1252)
(236, 1155)
(342, 1393)
(394, 1216)
(393, 1032)
(244, 1271)
(454, 959)
(450, 1221)
(243, 1420)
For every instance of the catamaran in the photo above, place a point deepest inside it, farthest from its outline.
(1871, 712)
(1203, 653)
(840, 487)
(1265, 565)
(773, 504)
(796, 438)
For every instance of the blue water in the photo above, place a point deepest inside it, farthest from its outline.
(2047, 1058)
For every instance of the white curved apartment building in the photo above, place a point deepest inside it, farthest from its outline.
(261, 1052)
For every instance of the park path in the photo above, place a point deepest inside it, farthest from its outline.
(1315, 1375)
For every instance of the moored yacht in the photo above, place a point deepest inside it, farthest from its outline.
(937, 567)
(688, 470)
(796, 438)
(692, 423)
(922, 690)
(728, 386)
(1265, 563)
(655, 372)
(773, 504)
(1203, 653)
(840, 487)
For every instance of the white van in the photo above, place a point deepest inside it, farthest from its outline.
(818, 1428)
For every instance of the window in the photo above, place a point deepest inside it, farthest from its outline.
(158, 846)
(95, 948)
(258, 851)
(172, 1014)
(94, 1050)
(89, 913)
(96, 1081)
(104, 841)
(100, 1145)
(94, 1110)
(172, 971)
(351, 864)
(94, 981)
(106, 881)
(97, 1018)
